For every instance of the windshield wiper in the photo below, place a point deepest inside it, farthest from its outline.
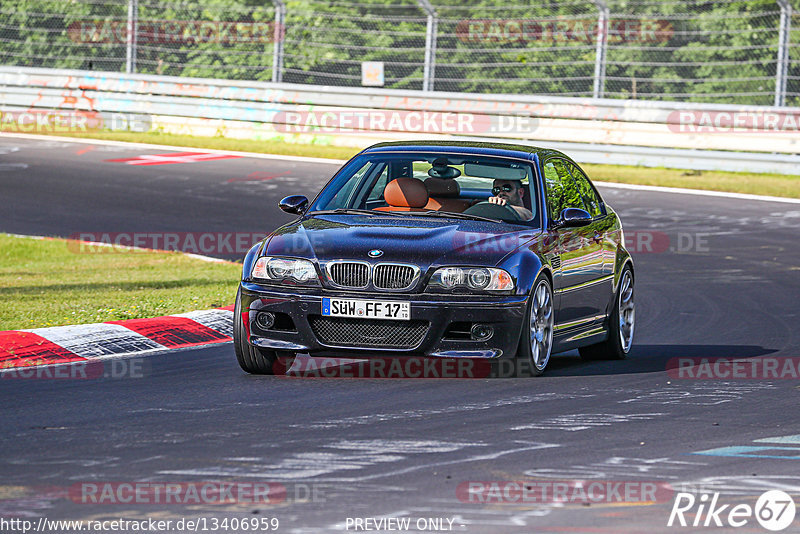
(455, 215)
(430, 213)
(354, 211)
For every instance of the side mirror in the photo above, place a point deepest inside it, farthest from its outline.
(295, 204)
(573, 218)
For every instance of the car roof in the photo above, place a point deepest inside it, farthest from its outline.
(464, 147)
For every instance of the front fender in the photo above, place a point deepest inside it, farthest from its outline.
(525, 266)
(249, 259)
(623, 257)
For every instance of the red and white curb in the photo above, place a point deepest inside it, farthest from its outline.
(63, 344)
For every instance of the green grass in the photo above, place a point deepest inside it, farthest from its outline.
(48, 283)
(760, 184)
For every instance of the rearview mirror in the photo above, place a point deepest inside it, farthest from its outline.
(295, 204)
(573, 218)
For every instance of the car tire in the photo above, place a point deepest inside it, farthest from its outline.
(251, 359)
(536, 339)
(620, 324)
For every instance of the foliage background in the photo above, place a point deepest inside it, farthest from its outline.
(713, 51)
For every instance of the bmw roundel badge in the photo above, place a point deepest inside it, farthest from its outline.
(375, 253)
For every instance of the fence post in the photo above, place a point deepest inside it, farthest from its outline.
(131, 36)
(278, 35)
(783, 52)
(429, 71)
(600, 54)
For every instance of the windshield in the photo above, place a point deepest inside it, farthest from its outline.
(415, 184)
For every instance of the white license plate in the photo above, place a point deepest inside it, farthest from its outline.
(366, 309)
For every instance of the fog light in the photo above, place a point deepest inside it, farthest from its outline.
(265, 320)
(481, 332)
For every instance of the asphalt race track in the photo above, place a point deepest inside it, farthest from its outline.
(715, 277)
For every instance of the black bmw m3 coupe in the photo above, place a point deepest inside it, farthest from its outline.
(441, 250)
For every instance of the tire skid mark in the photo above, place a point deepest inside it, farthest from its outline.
(358, 456)
(585, 421)
(699, 395)
(417, 414)
(617, 467)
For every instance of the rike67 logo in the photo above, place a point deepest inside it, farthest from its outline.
(774, 510)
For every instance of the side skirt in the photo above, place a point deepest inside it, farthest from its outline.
(573, 338)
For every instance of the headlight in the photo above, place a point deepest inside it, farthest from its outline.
(475, 278)
(285, 269)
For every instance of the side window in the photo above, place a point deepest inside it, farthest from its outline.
(589, 195)
(571, 196)
(553, 190)
(561, 190)
(379, 185)
(342, 197)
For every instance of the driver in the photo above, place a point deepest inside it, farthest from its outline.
(509, 193)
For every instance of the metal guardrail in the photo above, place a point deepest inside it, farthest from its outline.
(593, 130)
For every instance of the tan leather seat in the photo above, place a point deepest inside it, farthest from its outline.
(405, 194)
(444, 195)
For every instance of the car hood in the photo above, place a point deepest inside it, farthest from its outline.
(423, 241)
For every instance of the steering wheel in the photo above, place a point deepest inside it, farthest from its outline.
(493, 211)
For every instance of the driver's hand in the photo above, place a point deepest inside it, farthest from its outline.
(498, 200)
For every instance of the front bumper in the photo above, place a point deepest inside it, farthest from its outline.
(503, 313)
